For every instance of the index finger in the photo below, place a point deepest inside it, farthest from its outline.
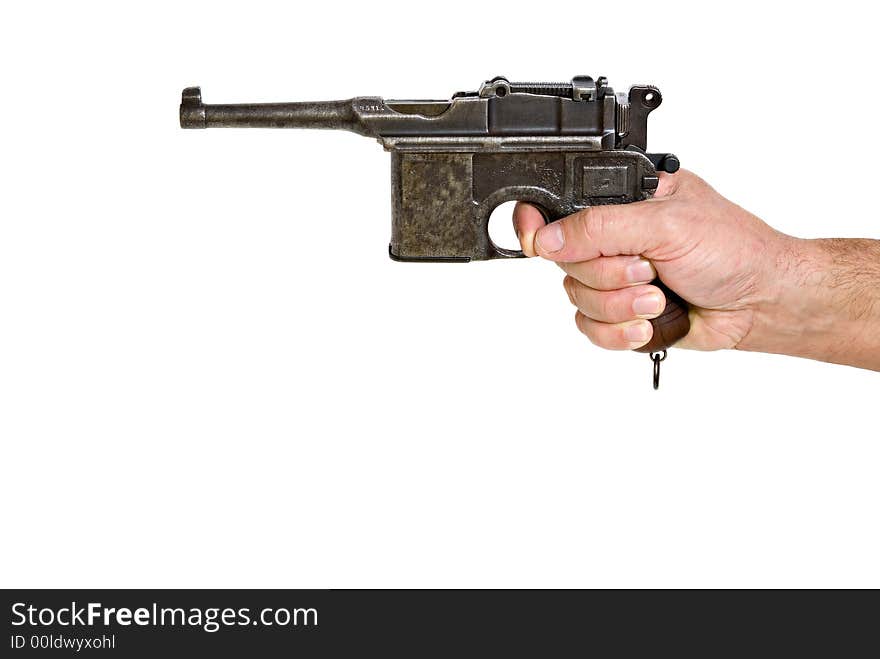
(526, 221)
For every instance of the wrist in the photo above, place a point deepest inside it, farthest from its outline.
(816, 303)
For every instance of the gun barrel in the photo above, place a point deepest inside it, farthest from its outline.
(338, 115)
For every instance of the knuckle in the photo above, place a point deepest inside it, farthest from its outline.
(602, 335)
(692, 185)
(608, 306)
(695, 181)
(595, 340)
(586, 224)
(603, 338)
(583, 324)
(570, 284)
(604, 273)
(594, 222)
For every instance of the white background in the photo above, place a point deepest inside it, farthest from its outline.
(211, 374)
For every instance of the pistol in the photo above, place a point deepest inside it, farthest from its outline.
(561, 147)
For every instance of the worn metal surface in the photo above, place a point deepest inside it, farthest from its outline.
(442, 201)
(560, 146)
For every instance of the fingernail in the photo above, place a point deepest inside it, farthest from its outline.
(641, 270)
(637, 332)
(550, 238)
(647, 305)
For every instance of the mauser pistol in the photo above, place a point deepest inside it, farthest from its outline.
(561, 147)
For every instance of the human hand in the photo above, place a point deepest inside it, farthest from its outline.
(750, 287)
(716, 255)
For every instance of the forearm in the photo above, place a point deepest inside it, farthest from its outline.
(822, 302)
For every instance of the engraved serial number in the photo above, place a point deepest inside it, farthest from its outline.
(371, 108)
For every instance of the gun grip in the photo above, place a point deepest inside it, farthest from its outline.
(671, 325)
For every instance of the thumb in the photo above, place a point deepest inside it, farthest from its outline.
(602, 231)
